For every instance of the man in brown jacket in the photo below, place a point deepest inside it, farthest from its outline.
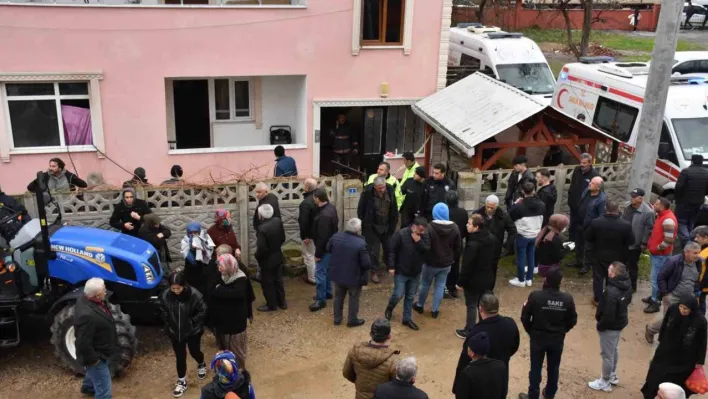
(370, 364)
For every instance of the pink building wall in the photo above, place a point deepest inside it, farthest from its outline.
(137, 48)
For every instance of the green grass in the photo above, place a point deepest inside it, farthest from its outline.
(614, 41)
(557, 64)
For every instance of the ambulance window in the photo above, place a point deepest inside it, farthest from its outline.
(615, 119)
(666, 146)
(469, 61)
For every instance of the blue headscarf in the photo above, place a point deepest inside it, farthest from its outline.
(194, 227)
(441, 212)
(225, 367)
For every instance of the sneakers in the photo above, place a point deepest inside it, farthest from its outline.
(600, 385)
(516, 283)
(529, 283)
(461, 333)
(201, 371)
(535, 270)
(180, 387)
(614, 380)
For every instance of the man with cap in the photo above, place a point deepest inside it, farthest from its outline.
(176, 173)
(139, 178)
(370, 364)
(690, 192)
(412, 190)
(445, 247)
(483, 377)
(519, 176)
(498, 222)
(547, 315)
(641, 216)
(284, 165)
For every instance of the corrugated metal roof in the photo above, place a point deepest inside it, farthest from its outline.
(474, 109)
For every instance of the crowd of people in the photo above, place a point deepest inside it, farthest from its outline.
(415, 230)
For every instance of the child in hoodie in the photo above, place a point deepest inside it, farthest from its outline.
(228, 379)
(197, 248)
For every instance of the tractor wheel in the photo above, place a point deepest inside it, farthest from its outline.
(64, 340)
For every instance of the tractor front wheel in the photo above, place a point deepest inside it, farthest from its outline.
(64, 340)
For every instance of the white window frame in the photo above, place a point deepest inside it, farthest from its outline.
(407, 42)
(232, 101)
(7, 147)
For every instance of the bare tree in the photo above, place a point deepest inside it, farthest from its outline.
(587, 26)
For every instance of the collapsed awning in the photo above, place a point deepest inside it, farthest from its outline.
(474, 109)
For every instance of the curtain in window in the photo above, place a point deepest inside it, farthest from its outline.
(77, 125)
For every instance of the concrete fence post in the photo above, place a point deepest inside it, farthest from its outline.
(560, 175)
(243, 222)
(338, 194)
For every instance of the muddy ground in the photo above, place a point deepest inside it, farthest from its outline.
(298, 354)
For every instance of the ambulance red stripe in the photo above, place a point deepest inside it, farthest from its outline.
(611, 90)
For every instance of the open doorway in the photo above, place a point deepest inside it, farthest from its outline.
(191, 110)
(378, 130)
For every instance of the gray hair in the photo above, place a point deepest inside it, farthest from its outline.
(691, 246)
(672, 391)
(261, 186)
(310, 184)
(379, 181)
(265, 211)
(353, 225)
(406, 369)
(586, 156)
(94, 286)
(492, 199)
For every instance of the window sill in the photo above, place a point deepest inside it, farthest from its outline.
(380, 47)
(164, 6)
(230, 121)
(234, 149)
(400, 156)
(52, 150)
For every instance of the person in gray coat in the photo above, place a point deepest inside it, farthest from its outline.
(641, 216)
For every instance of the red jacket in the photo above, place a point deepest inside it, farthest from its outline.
(657, 234)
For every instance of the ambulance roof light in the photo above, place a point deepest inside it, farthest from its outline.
(469, 24)
(625, 70)
(504, 35)
(596, 60)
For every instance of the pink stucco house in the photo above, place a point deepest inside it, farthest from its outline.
(200, 83)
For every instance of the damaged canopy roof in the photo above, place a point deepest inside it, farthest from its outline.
(474, 109)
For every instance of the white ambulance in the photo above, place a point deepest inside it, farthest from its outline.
(610, 95)
(512, 58)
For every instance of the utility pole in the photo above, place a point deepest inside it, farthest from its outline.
(662, 59)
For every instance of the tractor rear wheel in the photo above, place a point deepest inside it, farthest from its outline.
(64, 340)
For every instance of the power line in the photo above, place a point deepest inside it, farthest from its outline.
(267, 21)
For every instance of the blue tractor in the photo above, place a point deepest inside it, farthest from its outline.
(44, 267)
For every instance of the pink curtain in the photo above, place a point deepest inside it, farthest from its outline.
(77, 125)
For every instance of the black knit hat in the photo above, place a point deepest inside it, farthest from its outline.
(380, 330)
(479, 344)
(519, 159)
(420, 171)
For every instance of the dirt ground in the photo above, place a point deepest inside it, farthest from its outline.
(296, 354)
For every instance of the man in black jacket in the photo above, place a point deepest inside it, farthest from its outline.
(57, 178)
(326, 225)
(498, 222)
(579, 181)
(611, 316)
(412, 191)
(306, 220)
(502, 332)
(96, 339)
(127, 216)
(519, 176)
(402, 387)
(460, 217)
(608, 239)
(546, 192)
(690, 192)
(483, 377)
(264, 197)
(378, 212)
(406, 254)
(476, 275)
(547, 317)
(269, 240)
(434, 189)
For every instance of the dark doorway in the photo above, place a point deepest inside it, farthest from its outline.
(191, 102)
(328, 124)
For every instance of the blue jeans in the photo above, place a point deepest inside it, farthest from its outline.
(323, 285)
(525, 255)
(686, 216)
(657, 262)
(404, 285)
(439, 274)
(98, 380)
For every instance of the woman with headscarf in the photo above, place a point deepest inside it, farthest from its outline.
(128, 214)
(229, 382)
(156, 233)
(549, 244)
(230, 308)
(222, 232)
(682, 347)
(197, 248)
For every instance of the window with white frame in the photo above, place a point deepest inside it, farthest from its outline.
(233, 99)
(48, 114)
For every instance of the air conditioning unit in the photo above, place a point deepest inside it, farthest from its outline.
(625, 70)
(480, 29)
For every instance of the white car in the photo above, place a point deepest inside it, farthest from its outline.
(690, 62)
(699, 17)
